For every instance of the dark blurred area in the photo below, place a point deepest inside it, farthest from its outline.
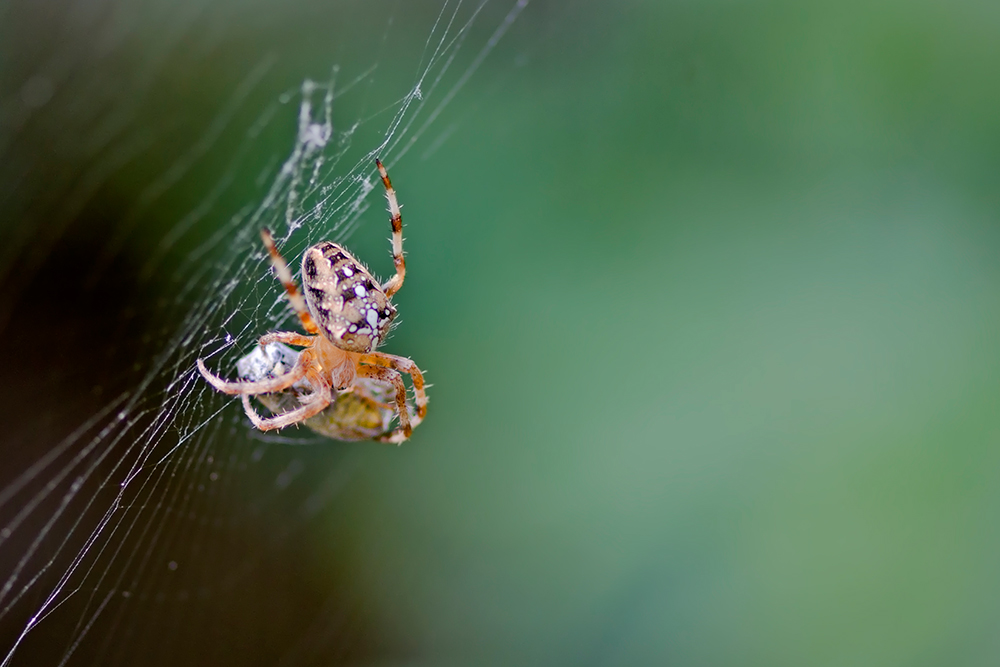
(708, 295)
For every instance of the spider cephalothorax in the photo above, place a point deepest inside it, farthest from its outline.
(348, 315)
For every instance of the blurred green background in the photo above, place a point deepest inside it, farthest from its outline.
(709, 297)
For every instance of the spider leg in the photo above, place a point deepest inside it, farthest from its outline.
(316, 403)
(291, 289)
(289, 337)
(297, 372)
(396, 380)
(407, 366)
(396, 218)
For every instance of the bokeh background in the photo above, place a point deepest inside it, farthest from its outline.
(709, 295)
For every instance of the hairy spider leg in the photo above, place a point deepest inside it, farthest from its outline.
(396, 380)
(402, 365)
(407, 366)
(291, 289)
(314, 404)
(396, 218)
(297, 372)
(289, 337)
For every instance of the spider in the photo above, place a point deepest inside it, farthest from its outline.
(347, 314)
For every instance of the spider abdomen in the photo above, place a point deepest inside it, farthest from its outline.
(348, 304)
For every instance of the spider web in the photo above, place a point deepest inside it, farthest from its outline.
(133, 532)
